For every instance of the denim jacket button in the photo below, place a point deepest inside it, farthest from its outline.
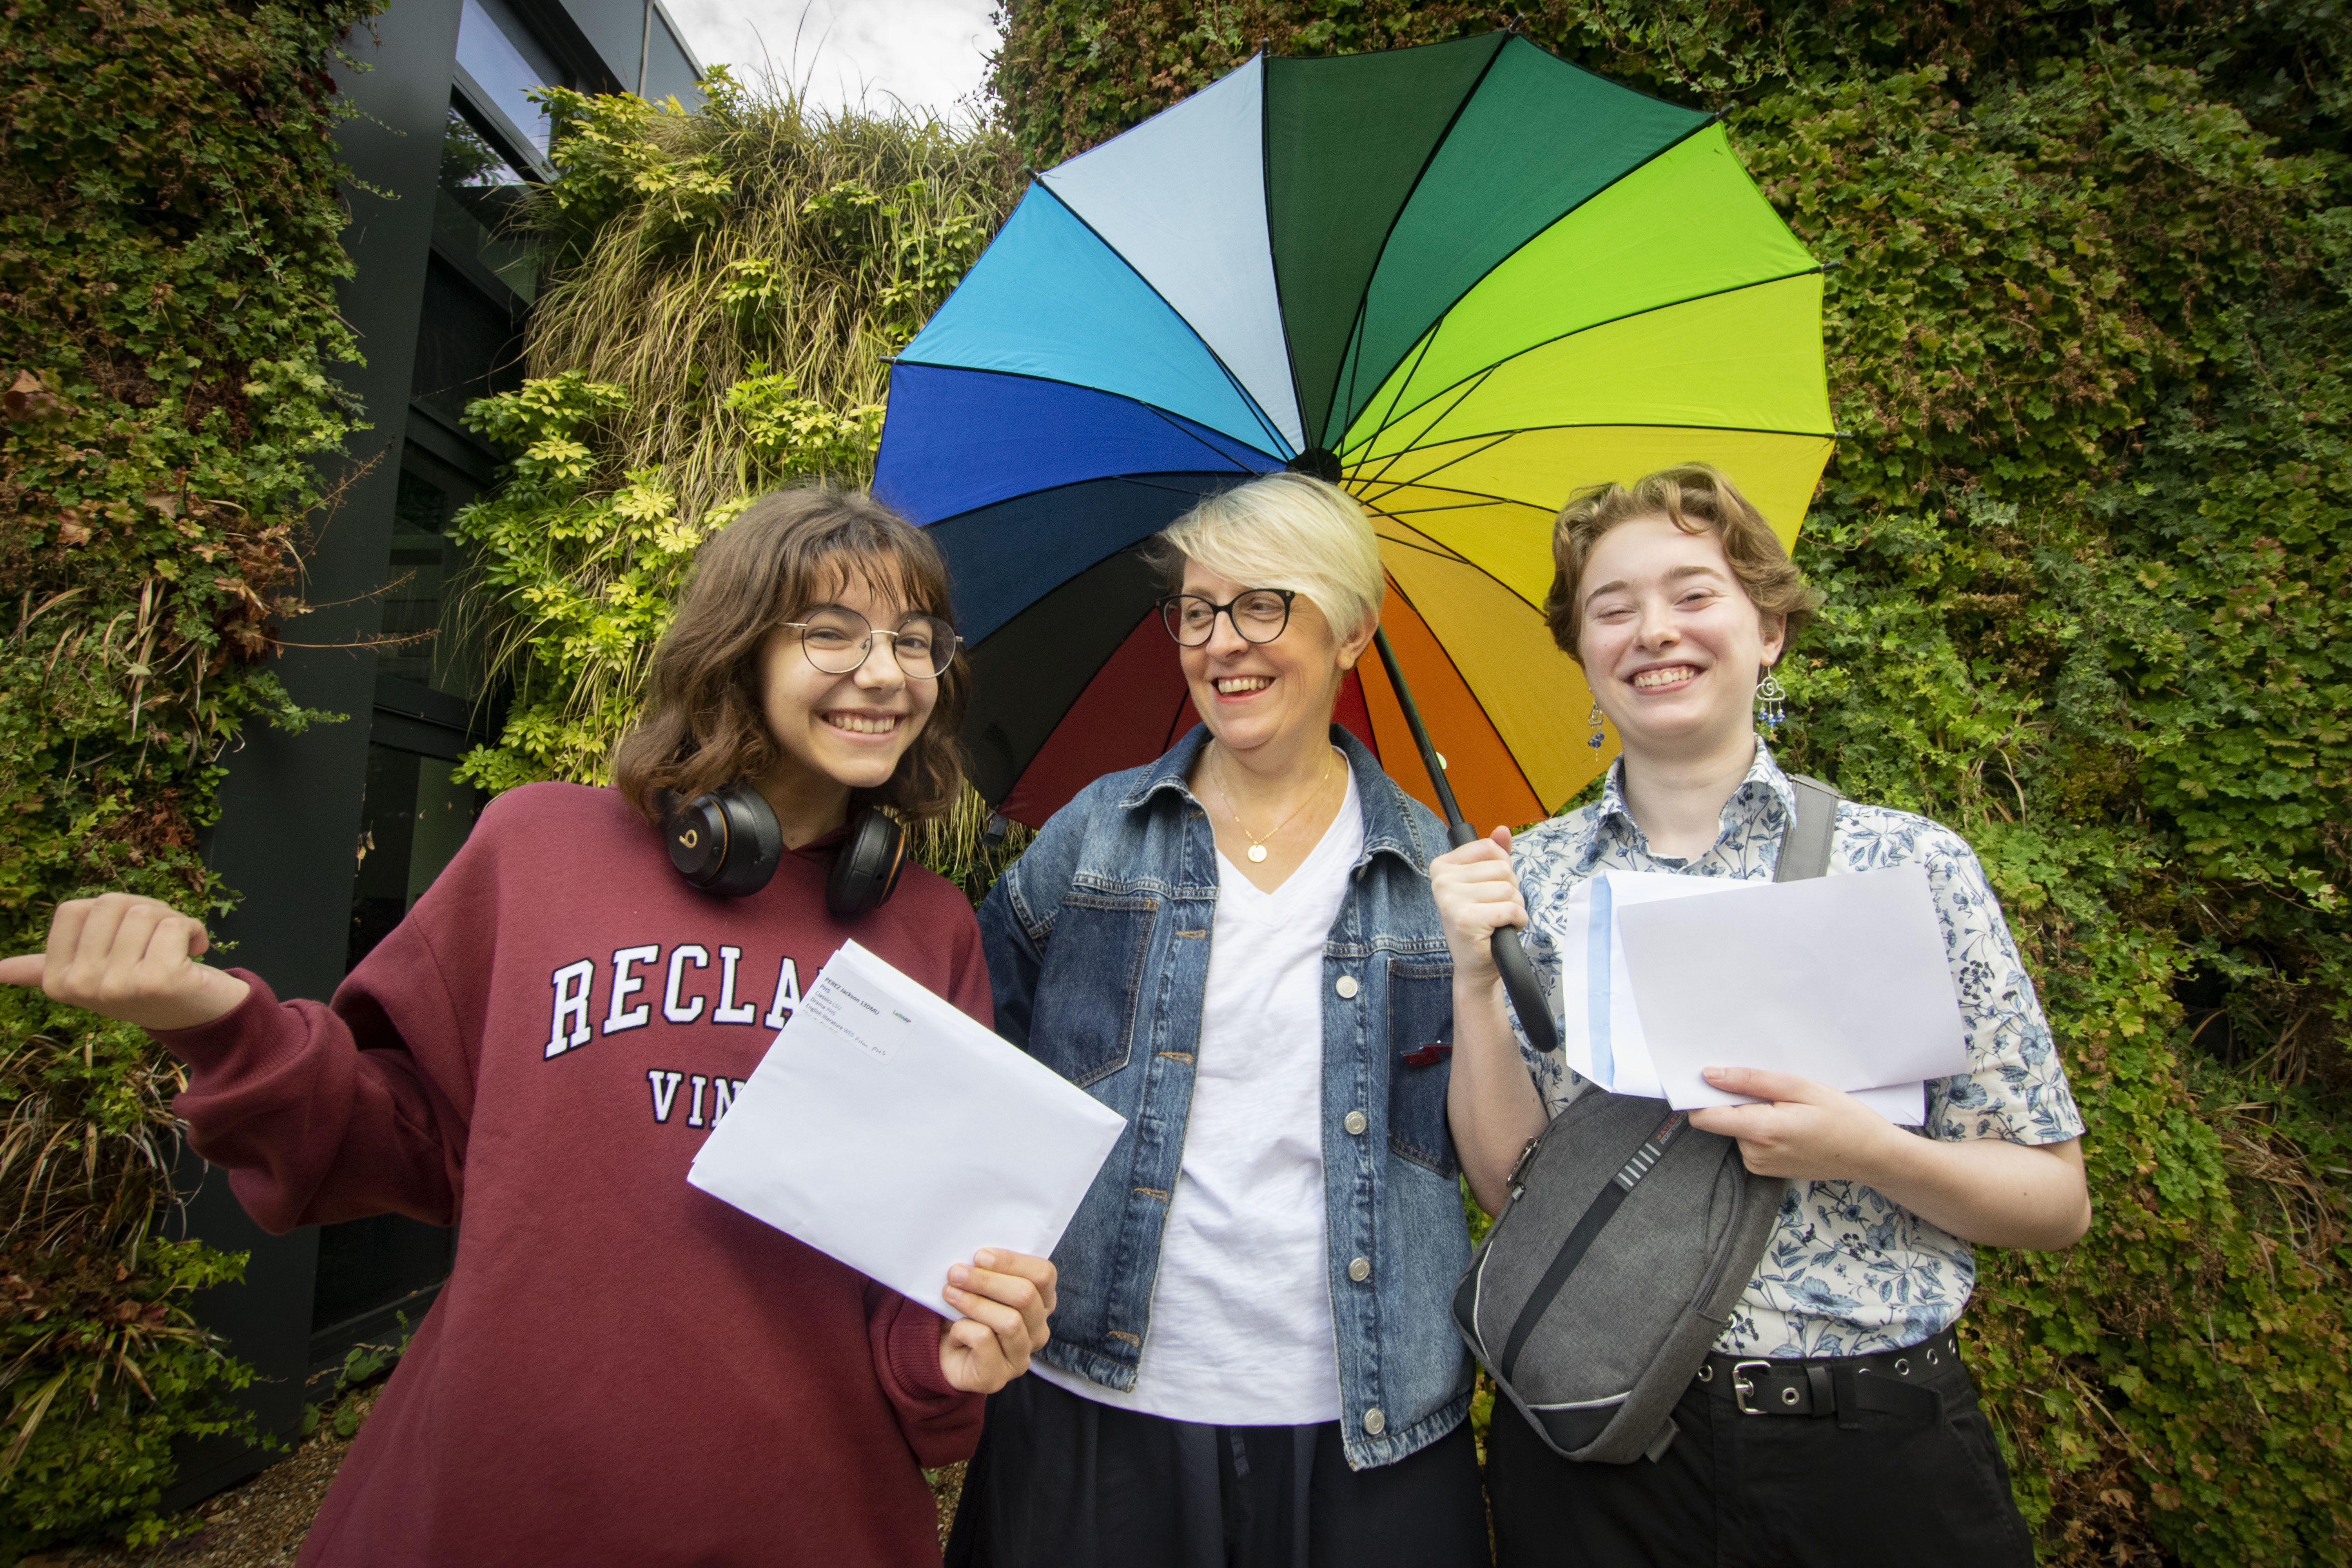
(1374, 1422)
(1347, 987)
(1356, 1122)
(1359, 1270)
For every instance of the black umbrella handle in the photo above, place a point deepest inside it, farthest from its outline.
(1510, 958)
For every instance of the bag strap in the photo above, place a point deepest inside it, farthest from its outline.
(1805, 847)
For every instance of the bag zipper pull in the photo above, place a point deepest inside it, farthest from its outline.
(1517, 1179)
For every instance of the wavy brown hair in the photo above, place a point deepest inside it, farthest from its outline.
(1697, 499)
(786, 554)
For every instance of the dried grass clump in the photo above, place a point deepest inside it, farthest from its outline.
(763, 236)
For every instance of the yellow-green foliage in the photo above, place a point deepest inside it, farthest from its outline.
(169, 253)
(729, 286)
(2089, 602)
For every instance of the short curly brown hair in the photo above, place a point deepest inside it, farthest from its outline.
(1695, 499)
(703, 725)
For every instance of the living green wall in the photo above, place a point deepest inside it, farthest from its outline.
(727, 286)
(2085, 551)
(169, 255)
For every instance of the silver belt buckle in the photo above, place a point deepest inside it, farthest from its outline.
(1742, 1388)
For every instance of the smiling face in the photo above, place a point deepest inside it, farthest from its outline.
(1670, 640)
(834, 732)
(1254, 695)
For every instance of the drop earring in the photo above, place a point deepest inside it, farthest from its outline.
(1595, 719)
(1769, 696)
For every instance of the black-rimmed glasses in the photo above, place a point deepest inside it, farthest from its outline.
(838, 641)
(1257, 614)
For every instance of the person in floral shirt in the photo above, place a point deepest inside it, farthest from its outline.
(1676, 597)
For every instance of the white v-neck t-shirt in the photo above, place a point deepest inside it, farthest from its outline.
(1241, 1332)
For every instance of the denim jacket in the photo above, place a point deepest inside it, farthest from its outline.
(1097, 945)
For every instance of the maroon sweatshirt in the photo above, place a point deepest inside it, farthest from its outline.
(622, 1369)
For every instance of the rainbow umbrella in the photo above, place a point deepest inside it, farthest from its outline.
(1459, 280)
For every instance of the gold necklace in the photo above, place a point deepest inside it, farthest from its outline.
(1257, 840)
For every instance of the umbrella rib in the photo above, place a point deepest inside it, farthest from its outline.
(1474, 505)
(1468, 388)
(1443, 552)
(1478, 375)
(1516, 766)
(1215, 357)
(1082, 387)
(1607, 424)
(1500, 439)
(1490, 440)
(1274, 262)
(1177, 423)
(1420, 354)
(1709, 120)
(1364, 301)
(1088, 480)
(1438, 551)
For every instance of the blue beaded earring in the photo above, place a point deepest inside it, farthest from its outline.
(1769, 696)
(1595, 719)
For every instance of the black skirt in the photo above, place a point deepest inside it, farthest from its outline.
(1063, 1482)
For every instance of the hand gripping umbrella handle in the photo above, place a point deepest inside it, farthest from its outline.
(1510, 958)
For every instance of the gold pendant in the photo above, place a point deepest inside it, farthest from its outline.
(1257, 852)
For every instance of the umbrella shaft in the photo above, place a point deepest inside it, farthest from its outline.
(1456, 830)
(1519, 975)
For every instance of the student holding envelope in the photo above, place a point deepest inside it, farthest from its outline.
(1677, 599)
(622, 1369)
(1234, 948)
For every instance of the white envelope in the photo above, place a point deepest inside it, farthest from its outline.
(887, 1130)
(1599, 1018)
(1842, 980)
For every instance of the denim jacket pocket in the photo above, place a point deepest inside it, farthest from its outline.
(1421, 1040)
(1088, 996)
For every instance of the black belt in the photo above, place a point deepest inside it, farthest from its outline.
(1890, 1381)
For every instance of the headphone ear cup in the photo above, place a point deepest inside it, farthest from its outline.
(727, 842)
(865, 869)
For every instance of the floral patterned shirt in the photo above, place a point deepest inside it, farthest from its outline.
(1847, 1271)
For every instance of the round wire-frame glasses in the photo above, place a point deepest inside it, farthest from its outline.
(1258, 614)
(838, 641)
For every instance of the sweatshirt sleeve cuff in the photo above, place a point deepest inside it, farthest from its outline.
(915, 1353)
(254, 1029)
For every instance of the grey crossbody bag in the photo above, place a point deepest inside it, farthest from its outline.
(1628, 1239)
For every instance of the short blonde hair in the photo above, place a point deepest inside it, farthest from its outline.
(1283, 530)
(1697, 499)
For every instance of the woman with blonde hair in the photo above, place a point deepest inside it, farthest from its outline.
(1234, 948)
(1834, 1416)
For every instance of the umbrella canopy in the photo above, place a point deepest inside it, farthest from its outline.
(1459, 280)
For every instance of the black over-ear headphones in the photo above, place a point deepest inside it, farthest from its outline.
(727, 842)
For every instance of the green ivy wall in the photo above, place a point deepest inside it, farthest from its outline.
(2085, 551)
(169, 253)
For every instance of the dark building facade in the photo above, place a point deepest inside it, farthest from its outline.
(332, 834)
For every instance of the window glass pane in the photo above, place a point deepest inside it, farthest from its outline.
(420, 645)
(479, 190)
(491, 58)
(412, 819)
(467, 346)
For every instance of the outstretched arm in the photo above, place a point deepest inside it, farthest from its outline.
(318, 1114)
(1984, 1190)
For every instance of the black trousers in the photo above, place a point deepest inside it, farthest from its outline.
(1063, 1482)
(1766, 1491)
